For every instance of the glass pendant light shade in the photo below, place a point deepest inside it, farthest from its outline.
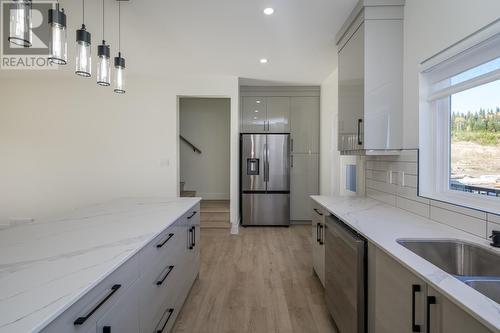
(103, 68)
(83, 52)
(119, 74)
(20, 23)
(58, 46)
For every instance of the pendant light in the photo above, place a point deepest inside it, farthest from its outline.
(119, 61)
(83, 50)
(58, 46)
(103, 54)
(20, 23)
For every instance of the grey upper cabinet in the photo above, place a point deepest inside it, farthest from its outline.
(304, 182)
(278, 114)
(265, 115)
(304, 113)
(254, 115)
(370, 53)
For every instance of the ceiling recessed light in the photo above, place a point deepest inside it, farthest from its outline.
(263, 61)
(258, 102)
(255, 118)
(256, 111)
(269, 11)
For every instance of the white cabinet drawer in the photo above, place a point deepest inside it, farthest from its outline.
(123, 317)
(154, 256)
(83, 315)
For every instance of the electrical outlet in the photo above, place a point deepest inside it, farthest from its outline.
(164, 162)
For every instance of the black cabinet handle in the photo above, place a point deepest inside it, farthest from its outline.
(106, 329)
(321, 235)
(318, 212)
(360, 142)
(81, 320)
(160, 282)
(165, 241)
(414, 290)
(317, 232)
(170, 312)
(190, 238)
(194, 236)
(192, 215)
(431, 300)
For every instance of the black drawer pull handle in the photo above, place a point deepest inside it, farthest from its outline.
(170, 313)
(317, 232)
(192, 215)
(318, 212)
(106, 329)
(165, 241)
(160, 282)
(414, 289)
(190, 238)
(321, 235)
(430, 301)
(194, 236)
(81, 320)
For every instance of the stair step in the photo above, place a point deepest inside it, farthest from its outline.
(214, 216)
(188, 194)
(215, 225)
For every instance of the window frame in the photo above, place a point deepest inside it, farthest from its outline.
(435, 114)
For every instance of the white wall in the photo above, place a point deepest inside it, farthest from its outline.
(430, 27)
(206, 123)
(68, 143)
(329, 155)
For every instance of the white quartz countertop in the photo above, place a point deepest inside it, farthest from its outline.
(47, 266)
(382, 225)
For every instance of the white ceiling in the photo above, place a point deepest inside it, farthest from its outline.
(167, 38)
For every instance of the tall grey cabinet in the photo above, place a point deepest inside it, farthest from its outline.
(294, 110)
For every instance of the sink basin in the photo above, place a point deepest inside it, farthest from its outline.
(476, 266)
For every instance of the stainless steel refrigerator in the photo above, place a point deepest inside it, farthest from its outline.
(265, 179)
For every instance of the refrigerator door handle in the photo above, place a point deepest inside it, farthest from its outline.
(266, 151)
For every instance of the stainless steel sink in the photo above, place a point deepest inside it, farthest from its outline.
(476, 266)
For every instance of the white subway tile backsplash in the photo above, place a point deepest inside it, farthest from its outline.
(394, 180)
(492, 226)
(389, 199)
(413, 206)
(494, 218)
(460, 221)
(462, 210)
(381, 186)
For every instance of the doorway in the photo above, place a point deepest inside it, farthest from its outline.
(204, 156)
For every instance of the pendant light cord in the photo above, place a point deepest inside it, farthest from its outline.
(119, 26)
(103, 20)
(83, 20)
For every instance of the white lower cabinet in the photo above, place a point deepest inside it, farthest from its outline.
(400, 302)
(123, 317)
(318, 241)
(146, 293)
(446, 317)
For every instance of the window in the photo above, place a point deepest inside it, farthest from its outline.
(460, 123)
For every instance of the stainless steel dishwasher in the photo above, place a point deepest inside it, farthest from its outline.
(345, 276)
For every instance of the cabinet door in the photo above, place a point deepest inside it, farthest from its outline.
(278, 114)
(304, 113)
(304, 182)
(397, 296)
(253, 115)
(351, 92)
(123, 317)
(446, 317)
(318, 242)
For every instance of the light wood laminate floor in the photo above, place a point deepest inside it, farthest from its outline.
(258, 281)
